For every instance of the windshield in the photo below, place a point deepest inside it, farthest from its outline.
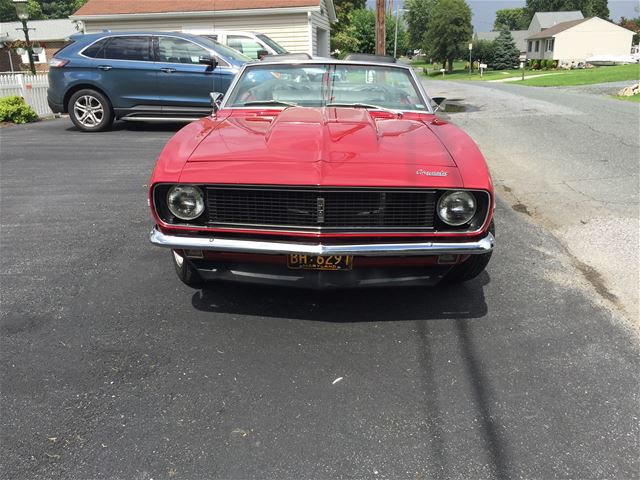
(315, 85)
(279, 49)
(223, 50)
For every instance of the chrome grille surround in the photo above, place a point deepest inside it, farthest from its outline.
(321, 208)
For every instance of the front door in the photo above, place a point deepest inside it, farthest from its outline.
(184, 83)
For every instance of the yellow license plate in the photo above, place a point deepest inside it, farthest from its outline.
(320, 262)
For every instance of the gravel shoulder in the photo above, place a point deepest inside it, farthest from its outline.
(569, 158)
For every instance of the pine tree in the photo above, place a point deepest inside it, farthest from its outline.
(505, 52)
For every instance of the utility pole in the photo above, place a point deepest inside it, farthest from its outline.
(380, 27)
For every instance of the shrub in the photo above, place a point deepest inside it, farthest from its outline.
(14, 109)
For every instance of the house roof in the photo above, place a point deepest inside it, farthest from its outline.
(127, 7)
(549, 19)
(43, 30)
(561, 27)
(519, 37)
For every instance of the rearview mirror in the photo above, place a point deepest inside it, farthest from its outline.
(207, 60)
(216, 100)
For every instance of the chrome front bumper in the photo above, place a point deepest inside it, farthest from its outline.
(177, 242)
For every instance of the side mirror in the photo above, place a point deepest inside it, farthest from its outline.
(262, 54)
(438, 101)
(206, 60)
(216, 100)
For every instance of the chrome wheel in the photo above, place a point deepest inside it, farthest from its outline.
(89, 111)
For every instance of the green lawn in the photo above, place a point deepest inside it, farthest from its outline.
(558, 77)
(587, 76)
(635, 98)
(460, 73)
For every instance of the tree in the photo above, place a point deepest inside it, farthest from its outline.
(511, 19)
(360, 36)
(505, 52)
(339, 36)
(362, 27)
(448, 31)
(417, 14)
(8, 11)
(483, 51)
(589, 8)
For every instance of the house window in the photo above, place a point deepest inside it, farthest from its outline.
(550, 44)
(537, 45)
(37, 58)
(529, 46)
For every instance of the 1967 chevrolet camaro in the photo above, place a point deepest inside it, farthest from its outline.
(323, 173)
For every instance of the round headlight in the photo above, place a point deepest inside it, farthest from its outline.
(185, 201)
(456, 208)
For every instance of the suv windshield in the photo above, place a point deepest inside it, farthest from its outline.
(315, 85)
(228, 53)
(279, 49)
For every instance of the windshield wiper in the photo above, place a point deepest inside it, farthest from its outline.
(270, 102)
(364, 105)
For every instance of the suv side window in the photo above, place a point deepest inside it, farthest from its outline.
(94, 51)
(128, 48)
(245, 45)
(178, 50)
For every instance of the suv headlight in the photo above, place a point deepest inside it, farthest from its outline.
(185, 201)
(456, 208)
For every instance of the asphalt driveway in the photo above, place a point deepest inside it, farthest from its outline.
(111, 368)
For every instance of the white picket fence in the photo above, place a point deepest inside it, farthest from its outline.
(33, 88)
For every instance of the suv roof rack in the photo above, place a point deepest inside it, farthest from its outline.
(368, 57)
(285, 57)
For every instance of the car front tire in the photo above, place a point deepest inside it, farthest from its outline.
(185, 270)
(90, 111)
(470, 268)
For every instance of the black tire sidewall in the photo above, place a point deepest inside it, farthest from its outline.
(186, 271)
(107, 118)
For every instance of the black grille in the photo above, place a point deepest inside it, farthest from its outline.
(321, 208)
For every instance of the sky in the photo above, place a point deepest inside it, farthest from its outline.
(484, 11)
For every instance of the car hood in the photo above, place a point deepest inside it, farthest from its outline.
(331, 145)
(331, 134)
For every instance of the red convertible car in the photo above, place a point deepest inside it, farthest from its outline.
(323, 173)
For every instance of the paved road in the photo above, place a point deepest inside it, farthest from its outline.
(570, 158)
(113, 369)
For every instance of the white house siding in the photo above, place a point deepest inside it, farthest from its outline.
(321, 21)
(590, 38)
(289, 30)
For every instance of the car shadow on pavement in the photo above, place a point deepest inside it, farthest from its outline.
(347, 305)
(460, 306)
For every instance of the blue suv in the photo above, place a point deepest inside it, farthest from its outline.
(139, 76)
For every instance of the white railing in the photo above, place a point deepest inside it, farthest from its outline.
(33, 88)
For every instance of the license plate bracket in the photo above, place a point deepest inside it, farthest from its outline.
(320, 262)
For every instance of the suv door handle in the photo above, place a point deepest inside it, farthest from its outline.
(105, 67)
(167, 70)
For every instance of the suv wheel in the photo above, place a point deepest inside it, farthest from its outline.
(90, 111)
